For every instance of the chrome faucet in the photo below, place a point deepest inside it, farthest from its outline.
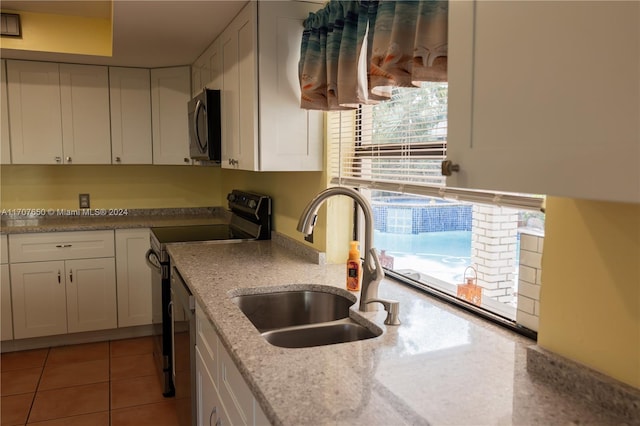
(372, 272)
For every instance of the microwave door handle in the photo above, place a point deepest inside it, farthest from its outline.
(199, 106)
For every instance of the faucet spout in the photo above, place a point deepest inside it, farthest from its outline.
(372, 272)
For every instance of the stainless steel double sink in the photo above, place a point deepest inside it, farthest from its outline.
(303, 318)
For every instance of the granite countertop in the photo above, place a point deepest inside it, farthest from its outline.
(103, 219)
(441, 366)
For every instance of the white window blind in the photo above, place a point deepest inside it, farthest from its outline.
(398, 145)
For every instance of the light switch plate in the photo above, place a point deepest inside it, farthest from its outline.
(84, 201)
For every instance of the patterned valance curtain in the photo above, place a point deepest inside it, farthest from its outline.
(355, 52)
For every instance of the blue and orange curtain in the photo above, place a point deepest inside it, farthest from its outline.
(355, 52)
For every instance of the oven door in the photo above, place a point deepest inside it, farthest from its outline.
(161, 320)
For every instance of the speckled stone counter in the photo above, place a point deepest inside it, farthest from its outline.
(100, 219)
(441, 366)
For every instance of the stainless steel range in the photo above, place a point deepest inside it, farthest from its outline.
(250, 220)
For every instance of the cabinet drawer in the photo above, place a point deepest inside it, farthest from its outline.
(207, 342)
(60, 246)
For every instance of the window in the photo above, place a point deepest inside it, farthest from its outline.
(434, 237)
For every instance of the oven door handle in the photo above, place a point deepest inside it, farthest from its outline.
(152, 260)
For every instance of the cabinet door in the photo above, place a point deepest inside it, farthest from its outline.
(170, 93)
(234, 392)
(206, 71)
(133, 277)
(291, 138)
(6, 317)
(130, 91)
(239, 91)
(5, 148)
(91, 294)
(544, 97)
(86, 132)
(209, 407)
(35, 122)
(38, 299)
(214, 66)
(197, 72)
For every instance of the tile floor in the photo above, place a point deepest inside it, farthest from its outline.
(97, 384)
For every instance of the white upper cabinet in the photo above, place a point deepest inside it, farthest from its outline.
(239, 91)
(206, 71)
(35, 121)
(291, 138)
(59, 113)
(263, 127)
(86, 132)
(5, 153)
(170, 93)
(544, 97)
(130, 91)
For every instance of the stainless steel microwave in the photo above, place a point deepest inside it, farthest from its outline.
(205, 138)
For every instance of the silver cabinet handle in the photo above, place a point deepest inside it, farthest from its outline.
(63, 245)
(58, 159)
(118, 160)
(186, 160)
(59, 277)
(71, 275)
(68, 159)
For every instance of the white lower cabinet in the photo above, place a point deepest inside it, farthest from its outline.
(6, 319)
(222, 395)
(91, 294)
(39, 299)
(60, 297)
(210, 411)
(62, 282)
(133, 277)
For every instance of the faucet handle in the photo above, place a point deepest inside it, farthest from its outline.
(376, 261)
(392, 307)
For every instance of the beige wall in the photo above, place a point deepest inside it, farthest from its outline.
(62, 33)
(131, 187)
(57, 187)
(291, 192)
(590, 296)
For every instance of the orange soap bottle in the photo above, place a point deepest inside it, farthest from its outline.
(354, 269)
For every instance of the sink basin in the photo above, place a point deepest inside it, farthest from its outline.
(303, 318)
(340, 331)
(268, 311)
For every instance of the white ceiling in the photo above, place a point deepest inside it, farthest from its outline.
(146, 33)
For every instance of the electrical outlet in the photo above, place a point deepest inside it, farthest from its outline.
(84, 201)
